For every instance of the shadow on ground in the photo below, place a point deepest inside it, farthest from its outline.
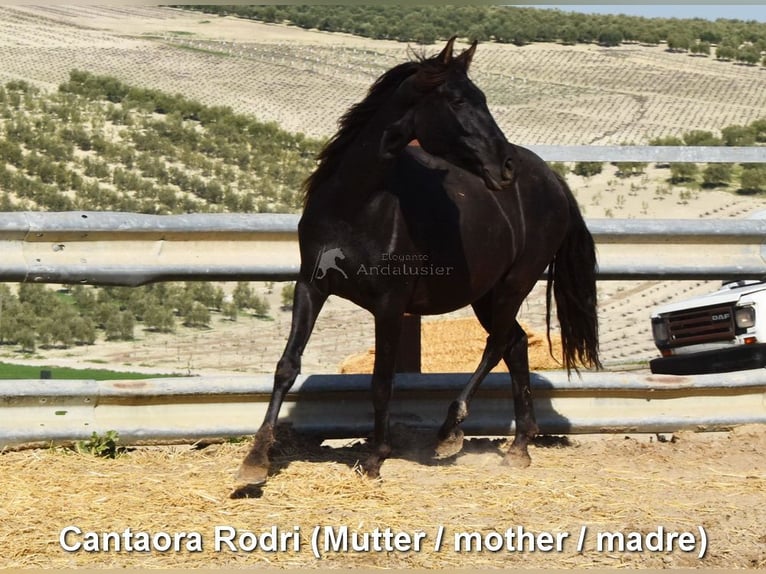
(409, 443)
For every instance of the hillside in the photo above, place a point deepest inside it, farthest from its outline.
(302, 81)
(517, 25)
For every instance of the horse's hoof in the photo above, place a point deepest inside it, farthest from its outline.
(252, 475)
(517, 459)
(450, 446)
(371, 467)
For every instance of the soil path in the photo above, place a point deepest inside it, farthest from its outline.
(709, 483)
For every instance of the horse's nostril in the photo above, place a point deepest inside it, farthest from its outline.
(508, 169)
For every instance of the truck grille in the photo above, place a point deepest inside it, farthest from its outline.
(702, 325)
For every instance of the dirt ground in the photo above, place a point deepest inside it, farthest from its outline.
(708, 488)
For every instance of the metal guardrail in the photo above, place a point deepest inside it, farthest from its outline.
(41, 412)
(105, 248)
(680, 249)
(660, 154)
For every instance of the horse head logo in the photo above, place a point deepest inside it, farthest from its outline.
(328, 259)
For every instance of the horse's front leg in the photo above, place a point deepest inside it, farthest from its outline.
(307, 302)
(388, 327)
(517, 359)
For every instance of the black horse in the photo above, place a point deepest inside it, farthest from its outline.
(465, 219)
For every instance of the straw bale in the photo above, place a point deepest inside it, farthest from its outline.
(607, 483)
(456, 346)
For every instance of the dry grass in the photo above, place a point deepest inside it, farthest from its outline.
(611, 483)
(456, 345)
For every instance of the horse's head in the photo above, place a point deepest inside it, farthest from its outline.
(448, 114)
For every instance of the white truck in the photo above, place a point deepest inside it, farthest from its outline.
(718, 332)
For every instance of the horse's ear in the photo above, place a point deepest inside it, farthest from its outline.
(467, 56)
(397, 136)
(445, 56)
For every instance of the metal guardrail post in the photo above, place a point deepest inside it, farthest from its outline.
(409, 356)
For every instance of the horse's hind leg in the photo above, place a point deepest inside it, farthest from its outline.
(506, 340)
(308, 301)
(450, 436)
(517, 360)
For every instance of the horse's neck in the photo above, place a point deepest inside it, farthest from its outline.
(358, 173)
(362, 170)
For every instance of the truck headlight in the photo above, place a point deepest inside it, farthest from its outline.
(659, 331)
(744, 317)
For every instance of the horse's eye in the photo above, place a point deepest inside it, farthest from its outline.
(457, 102)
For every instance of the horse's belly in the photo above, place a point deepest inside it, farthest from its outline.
(445, 288)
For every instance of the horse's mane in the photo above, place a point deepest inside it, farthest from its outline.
(431, 72)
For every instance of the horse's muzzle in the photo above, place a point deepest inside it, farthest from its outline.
(490, 181)
(506, 177)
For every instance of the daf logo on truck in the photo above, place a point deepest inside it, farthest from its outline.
(721, 317)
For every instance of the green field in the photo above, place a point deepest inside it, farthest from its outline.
(11, 371)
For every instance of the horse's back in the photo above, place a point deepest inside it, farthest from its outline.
(544, 197)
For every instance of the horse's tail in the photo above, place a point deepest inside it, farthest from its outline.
(572, 281)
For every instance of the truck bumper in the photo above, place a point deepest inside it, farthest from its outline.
(736, 358)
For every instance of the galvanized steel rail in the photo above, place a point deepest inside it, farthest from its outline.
(660, 154)
(335, 406)
(104, 248)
